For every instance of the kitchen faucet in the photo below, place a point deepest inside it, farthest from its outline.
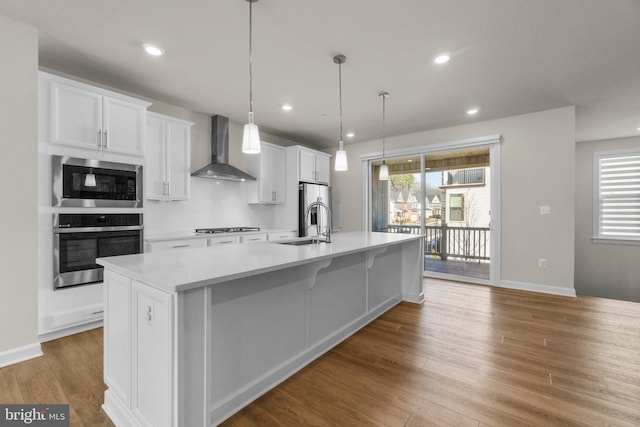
(318, 203)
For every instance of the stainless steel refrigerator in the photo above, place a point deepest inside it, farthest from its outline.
(307, 194)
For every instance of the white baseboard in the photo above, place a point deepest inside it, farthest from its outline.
(534, 287)
(20, 354)
(54, 335)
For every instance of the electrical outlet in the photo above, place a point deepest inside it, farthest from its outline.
(545, 210)
(542, 262)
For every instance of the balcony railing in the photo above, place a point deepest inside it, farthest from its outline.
(450, 242)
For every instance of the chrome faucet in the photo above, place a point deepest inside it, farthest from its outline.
(317, 204)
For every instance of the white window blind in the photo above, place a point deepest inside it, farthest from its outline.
(617, 209)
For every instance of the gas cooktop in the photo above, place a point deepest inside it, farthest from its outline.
(226, 230)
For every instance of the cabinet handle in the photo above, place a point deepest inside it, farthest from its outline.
(168, 188)
(181, 246)
(106, 134)
(99, 139)
(226, 241)
(254, 240)
(273, 196)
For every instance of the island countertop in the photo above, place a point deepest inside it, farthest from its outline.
(181, 270)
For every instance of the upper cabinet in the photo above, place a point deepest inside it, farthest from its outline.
(313, 166)
(168, 159)
(269, 169)
(83, 116)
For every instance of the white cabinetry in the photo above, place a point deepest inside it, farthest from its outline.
(168, 159)
(253, 238)
(313, 166)
(221, 240)
(138, 353)
(84, 116)
(269, 170)
(165, 245)
(283, 235)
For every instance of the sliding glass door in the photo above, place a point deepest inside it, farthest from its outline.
(446, 196)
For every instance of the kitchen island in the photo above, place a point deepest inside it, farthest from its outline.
(192, 336)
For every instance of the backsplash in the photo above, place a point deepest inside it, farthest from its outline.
(212, 204)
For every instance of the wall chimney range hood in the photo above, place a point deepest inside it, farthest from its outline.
(219, 168)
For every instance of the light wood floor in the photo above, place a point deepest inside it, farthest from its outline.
(470, 355)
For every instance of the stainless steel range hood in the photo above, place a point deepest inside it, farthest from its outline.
(219, 168)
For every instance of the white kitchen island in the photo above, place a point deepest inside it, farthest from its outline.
(192, 336)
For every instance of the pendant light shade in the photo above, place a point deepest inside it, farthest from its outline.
(341, 159)
(384, 172)
(251, 136)
(90, 180)
(384, 169)
(341, 155)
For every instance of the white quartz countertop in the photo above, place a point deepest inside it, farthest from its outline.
(159, 237)
(180, 270)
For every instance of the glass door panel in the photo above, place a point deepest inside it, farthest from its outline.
(396, 205)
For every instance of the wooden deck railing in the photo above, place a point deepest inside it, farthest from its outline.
(454, 242)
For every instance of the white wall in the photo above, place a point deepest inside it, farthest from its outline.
(601, 269)
(538, 154)
(18, 216)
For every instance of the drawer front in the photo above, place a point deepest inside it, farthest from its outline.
(222, 240)
(253, 238)
(283, 235)
(175, 244)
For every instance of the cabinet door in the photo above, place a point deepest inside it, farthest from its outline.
(117, 335)
(178, 160)
(153, 362)
(265, 178)
(307, 166)
(76, 116)
(123, 127)
(154, 169)
(278, 175)
(323, 168)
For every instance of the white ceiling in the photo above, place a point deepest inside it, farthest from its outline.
(508, 57)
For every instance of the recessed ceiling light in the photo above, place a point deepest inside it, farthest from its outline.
(473, 111)
(287, 107)
(639, 128)
(442, 58)
(153, 50)
(350, 134)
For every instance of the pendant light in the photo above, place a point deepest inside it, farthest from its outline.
(90, 179)
(250, 137)
(384, 169)
(341, 155)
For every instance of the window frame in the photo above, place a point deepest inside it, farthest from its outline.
(597, 237)
(457, 208)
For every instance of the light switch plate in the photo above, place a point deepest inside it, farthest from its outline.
(545, 210)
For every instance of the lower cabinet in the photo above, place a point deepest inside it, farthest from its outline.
(165, 245)
(152, 355)
(138, 353)
(282, 235)
(253, 238)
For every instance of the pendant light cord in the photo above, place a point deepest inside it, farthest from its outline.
(384, 127)
(250, 58)
(340, 91)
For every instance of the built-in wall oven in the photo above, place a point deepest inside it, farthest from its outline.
(95, 183)
(78, 239)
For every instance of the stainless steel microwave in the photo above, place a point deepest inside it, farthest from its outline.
(95, 183)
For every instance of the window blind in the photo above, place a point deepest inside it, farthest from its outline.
(619, 196)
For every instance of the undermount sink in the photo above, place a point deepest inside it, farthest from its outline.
(299, 242)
